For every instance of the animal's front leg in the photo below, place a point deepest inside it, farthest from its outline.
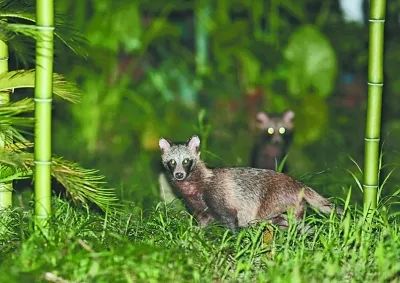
(229, 218)
(226, 215)
(204, 218)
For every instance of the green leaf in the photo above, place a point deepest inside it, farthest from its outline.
(311, 61)
(311, 119)
(250, 67)
(26, 79)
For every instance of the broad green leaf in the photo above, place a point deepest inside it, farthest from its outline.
(311, 119)
(250, 67)
(311, 61)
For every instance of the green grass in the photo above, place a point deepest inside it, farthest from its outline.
(165, 245)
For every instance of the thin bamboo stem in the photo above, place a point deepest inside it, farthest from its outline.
(374, 107)
(43, 97)
(5, 188)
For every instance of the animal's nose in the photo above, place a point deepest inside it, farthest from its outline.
(179, 175)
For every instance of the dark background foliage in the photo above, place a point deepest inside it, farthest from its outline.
(176, 68)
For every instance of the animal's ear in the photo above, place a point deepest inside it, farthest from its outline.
(262, 119)
(194, 144)
(164, 145)
(288, 116)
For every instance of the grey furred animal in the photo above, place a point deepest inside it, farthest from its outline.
(236, 197)
(275, 134)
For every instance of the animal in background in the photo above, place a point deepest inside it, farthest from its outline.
(275, 133)
(235, 197)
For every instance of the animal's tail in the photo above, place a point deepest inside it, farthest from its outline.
(319, 202)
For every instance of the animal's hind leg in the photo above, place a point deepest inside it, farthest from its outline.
(280, 221)
(299, 211)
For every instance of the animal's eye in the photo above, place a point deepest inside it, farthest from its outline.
(172, 162)
(270, 131)
(185, 161)
(282, 130)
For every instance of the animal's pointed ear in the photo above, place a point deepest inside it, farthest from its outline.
(164, 145)
(194, 144)
(288, 116)
(262, 119)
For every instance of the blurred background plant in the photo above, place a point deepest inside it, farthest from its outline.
(175, 68)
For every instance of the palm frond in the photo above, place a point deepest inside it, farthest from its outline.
(82, 185)
(64, 30)
(12, 6)
(70, 36)
(12, 124)
(13, 135)
(16, 108)
(22, 51)
(14, 165)
(26, 79)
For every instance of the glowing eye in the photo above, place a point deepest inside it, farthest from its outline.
(270, 131)
(282, 130)
(185, 161)
(172, 162)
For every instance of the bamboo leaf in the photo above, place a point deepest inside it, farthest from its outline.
(26, 79)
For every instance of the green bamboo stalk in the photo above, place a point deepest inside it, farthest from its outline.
(5, 188)
(374, 107)
(43, 97)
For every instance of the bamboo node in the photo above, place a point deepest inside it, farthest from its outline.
(42, 162)
(370, 186)
(375, 84)
(4, 59)
(44, 28)
(43, 100)
(372, 139)
(376, 20)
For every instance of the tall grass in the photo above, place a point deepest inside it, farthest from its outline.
(165, 245)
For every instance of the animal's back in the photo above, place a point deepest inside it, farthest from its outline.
(253, 193)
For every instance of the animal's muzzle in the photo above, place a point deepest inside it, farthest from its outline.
(179, 176)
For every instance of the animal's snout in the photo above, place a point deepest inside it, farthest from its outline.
(276, 139)
(179, 175)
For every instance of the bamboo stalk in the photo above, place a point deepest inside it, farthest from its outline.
(374, 107)
(43, 97)
(5, 188)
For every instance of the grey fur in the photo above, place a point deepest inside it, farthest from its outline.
(237, 197)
